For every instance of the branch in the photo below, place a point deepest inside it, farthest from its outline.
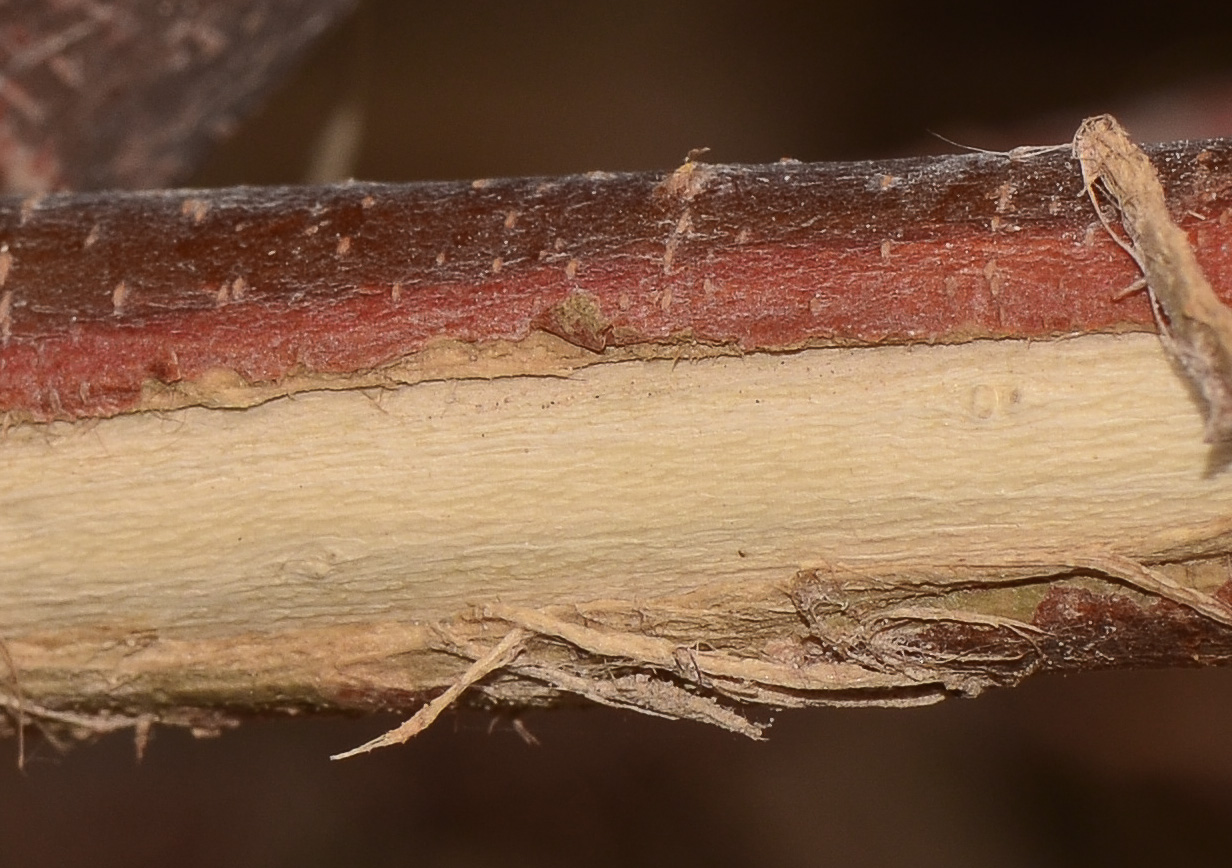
(730, 436)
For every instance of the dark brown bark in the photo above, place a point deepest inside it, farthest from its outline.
(106, 292)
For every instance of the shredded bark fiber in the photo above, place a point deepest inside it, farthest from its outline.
(1195, 326)
(900, 641)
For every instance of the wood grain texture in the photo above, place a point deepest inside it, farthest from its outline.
(298, 553)
(636, 479)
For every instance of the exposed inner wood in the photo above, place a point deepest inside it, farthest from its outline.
(645, 479)
(311, 548)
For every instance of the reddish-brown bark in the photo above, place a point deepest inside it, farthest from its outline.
(1089, 630)
(1081, 629)
(103, 292)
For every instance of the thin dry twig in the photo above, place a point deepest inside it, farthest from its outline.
(501, 655)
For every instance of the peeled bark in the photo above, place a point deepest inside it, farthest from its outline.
(731, 436)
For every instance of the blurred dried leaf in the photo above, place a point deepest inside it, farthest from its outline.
(125, 93)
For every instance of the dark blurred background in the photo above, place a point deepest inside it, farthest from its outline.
(1109, 768)
(415, 91)
(1102, 769)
